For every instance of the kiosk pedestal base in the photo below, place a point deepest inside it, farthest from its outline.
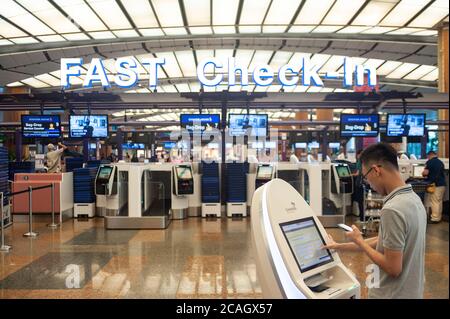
(84, 209)
(194, 212)
(179, 213)
(239, 209)
(209, 209)
(146, 222)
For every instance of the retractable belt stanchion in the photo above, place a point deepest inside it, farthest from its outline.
(30, 221)
(53, 225)
(3, 247)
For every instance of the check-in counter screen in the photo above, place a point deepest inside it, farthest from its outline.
(305, 242)
(105, 172)
(343, 171)
(184, 172)
(418, 170)
(264, 172)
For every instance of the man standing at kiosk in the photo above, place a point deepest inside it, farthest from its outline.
(54, 157)
(399, 248)
(434, 173)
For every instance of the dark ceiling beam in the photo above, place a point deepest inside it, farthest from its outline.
(176, 123)
(328, 83)
(405, 39)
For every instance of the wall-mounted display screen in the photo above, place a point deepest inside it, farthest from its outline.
(198, 123)
(82, 126)
(306, 243)
(405, 125)
(184, 172)
(359, 125)
(41, 126)
(256, 124)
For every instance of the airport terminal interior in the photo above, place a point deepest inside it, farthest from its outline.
(210, 148)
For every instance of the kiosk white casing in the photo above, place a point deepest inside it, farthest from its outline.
(279, 274)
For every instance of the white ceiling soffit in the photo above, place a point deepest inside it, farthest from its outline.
(34, 21)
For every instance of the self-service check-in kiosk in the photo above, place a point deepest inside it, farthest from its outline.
(111, 190)
(183, 185)
(264, 173)
(287, 238)
(106, 180)
(342, 180)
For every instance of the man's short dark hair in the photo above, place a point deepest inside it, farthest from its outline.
(431, 153)
(380, 153)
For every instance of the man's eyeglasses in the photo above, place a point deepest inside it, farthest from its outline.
(364, 177)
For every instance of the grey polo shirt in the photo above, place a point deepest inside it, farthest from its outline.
(403, 225)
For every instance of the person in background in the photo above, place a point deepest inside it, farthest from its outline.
(358, 193)
(341, 155)
(293, 158)
(54, 157)
(402, 156)
(434, 173)
(399, 249)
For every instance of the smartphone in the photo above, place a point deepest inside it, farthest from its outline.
(345, 227)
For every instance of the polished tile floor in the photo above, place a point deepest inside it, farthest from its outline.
(193, 258)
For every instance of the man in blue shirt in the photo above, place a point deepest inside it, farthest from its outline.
(434, 173)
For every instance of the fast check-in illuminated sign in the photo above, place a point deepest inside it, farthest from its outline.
(210, 72)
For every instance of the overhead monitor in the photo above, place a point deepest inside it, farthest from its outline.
(133, 146)
(88, 126)
(258, 145)
(198, 123)
(105, 172)
(343, 171)
(418, 170)
(213, 145)
(271, 144)
(255, 124)
(169, 145)
(334, 145)
(314, 145)
(300, 145)
(184, 172)
(362, 125)
(405, 125)
(305, 242)
(264, 172)
(41, 126)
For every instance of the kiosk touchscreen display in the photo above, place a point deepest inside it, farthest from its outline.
(105, 172)
(418, 170)
(264, 172)
(184, 172)
(343, 171)
(305, 242)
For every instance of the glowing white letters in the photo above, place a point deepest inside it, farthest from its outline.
(213, 71)
(126, 68)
